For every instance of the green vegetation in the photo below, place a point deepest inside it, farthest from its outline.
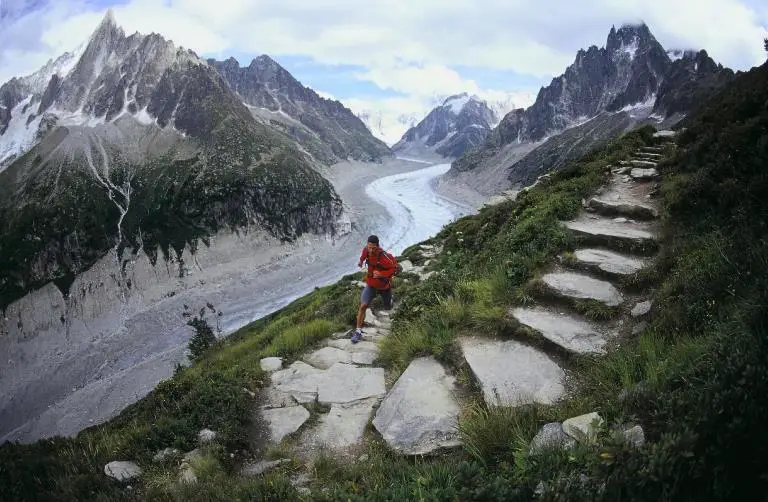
(695, 379)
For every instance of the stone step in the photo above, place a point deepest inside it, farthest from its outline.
(648, 155)
(575, 286)
(643, 174)
(511, 373)
(614, 234)
(568, 331)
(607, 262)
(420, 414)
(618, 207)
(652, 149)
(638, 163)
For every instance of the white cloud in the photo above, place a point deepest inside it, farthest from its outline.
(403, 45)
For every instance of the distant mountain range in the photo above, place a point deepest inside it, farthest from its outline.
(607, 90)
(132, 141)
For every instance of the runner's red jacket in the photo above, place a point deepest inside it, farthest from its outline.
(382, 261)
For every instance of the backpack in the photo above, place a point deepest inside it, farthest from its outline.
(398, 267)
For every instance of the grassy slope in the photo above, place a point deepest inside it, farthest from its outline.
(695, 379)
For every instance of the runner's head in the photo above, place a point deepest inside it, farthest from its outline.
(373, 243)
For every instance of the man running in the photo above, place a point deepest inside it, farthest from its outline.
(381, 267)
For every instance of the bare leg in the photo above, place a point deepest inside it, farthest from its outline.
(361, 315)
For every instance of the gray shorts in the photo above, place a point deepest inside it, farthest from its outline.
(369, 294)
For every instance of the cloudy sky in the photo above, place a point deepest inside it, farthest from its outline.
(392, 55)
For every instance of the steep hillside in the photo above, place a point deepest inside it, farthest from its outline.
(325, 128)
(137, 143)
(460, 123)
(632, 77)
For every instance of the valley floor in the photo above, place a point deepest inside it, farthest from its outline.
(104, 365)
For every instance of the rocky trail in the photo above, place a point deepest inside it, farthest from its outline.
(327, 400)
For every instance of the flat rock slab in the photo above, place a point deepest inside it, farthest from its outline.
(608, 232)
(513, 374)
(609, 261)
(284, 421)
(642, 163)
(583, 287)
(643, 174)
(344, 383)
(300, 380)
(420, 414)
(343, 426)
(631, 208)
(122, 470)
(271, 364)
(262, 466)
(327, 356)
(569, 332)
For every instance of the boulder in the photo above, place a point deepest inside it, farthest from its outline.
(122, 470)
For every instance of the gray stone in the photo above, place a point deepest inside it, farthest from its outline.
(641, 309)
(273, 398)
(364, 358)
(635, 436)
(327, 356)
(420, 413)
(262, 466)
(271, 364)
(407, 265)
(166, 453)
(511, 373)
(608, 231)
(642, 165)
(347, 346)
(639, 327)
(583, 287)
(206, 436)
(550, 436)
(609, 261)
(343, 426)
(122, 470)
(583, 428)
(300, 380)
(344, 383)
(643, 174)
(567, 331)
(370, 319)
(284, 421)
(666, 133)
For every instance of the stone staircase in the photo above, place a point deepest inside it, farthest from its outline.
(326, 399)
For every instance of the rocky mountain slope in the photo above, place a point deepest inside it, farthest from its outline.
(325, 128)
(135, 142)
(629, 81)
(459, 123)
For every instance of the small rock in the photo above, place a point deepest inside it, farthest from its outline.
(303, 490)
(262, 466)
(189, 456)
(206, 436)
(122, 470)
(551, 436)
(284, 421)
(166, 453)
(582, 428)
(363, 458)
(641, 309)
(250, 393)
(370, 319)
(271, 363)
(539, 491)
(620, 219)
(635, 436)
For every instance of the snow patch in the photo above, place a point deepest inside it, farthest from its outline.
(19, 136)
(675, 54)
(640, 109)
(631, 49)
(457, 103)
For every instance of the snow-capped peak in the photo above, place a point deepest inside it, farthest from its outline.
(458, 101)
